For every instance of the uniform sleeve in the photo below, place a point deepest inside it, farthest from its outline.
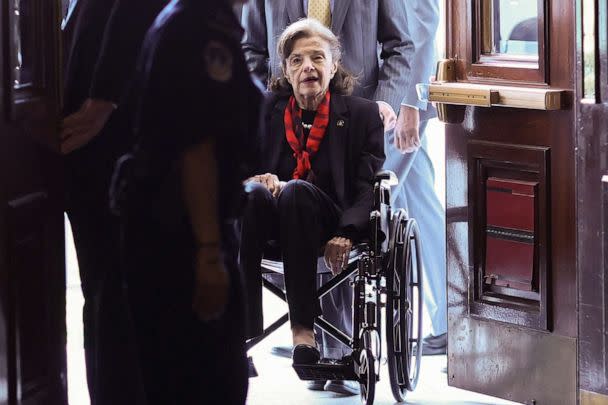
(166, 104)
(221, 95)
(196, 86)
(123, 36)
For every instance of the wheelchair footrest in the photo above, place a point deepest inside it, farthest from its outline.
(327, 369)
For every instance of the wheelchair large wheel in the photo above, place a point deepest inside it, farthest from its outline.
(404, 305)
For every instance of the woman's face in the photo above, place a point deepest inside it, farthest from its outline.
(310, 68)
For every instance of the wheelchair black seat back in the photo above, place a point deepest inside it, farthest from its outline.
(386, 273)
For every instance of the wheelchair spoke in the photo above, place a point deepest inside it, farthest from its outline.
(363, 391)
(363, 367)
(397, 339)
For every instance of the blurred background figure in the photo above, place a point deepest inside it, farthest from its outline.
(407, 155)
(178, 195)
(102, 40)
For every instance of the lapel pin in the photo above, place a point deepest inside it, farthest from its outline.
(340, 123)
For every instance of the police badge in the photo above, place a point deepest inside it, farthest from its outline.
(218, 61)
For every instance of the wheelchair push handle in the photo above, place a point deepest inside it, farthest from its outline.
(387, 177)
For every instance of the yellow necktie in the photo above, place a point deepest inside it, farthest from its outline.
(320, 10)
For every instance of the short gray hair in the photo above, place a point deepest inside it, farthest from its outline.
(343, 81)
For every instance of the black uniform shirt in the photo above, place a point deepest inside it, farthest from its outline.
(194, 84)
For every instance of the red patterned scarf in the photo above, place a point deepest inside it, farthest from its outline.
(294, 131)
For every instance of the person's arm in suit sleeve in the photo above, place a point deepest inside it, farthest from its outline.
(355, 219)
(423, 20)
(396, 54)
(255, 41)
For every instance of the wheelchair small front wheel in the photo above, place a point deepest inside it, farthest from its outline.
(367, 376)
(404, 306)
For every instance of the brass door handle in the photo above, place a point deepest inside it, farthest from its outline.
(462, 94)
(500, 96)
(447, 91)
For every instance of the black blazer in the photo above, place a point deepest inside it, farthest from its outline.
(356, 142)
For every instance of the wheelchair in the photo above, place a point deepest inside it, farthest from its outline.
(385, 271)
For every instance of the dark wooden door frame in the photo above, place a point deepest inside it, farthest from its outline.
(32, 263)
(592, 211)
(489, 346)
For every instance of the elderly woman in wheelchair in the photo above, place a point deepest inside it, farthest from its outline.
(321, 150)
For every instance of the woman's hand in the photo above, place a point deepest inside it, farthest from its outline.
(337, 251)
(270, 181)
(212, 284)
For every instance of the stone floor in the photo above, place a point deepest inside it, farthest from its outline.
(278, 383)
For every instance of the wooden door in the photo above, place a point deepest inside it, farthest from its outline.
(592, 201)
(510, 199)
(32, 276)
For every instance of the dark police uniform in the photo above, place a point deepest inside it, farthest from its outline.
(194, 85)
(103, 39)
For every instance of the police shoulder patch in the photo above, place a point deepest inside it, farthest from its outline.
(218, 61)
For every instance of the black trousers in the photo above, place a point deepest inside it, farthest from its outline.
(302, 219)
(184, 361)
(112, 371)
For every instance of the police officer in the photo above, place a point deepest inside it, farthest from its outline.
(103, 39)
(178, 195)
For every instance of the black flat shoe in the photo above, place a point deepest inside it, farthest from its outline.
(305, 354)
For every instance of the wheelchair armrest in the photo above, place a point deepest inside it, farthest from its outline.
(387, 177)
(276, 265)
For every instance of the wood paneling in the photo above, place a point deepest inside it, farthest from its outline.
(487, 349)
(32, 276)
(518, 163)
(592, 213)
(511, 363)
(33, 59)
(32, 273)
